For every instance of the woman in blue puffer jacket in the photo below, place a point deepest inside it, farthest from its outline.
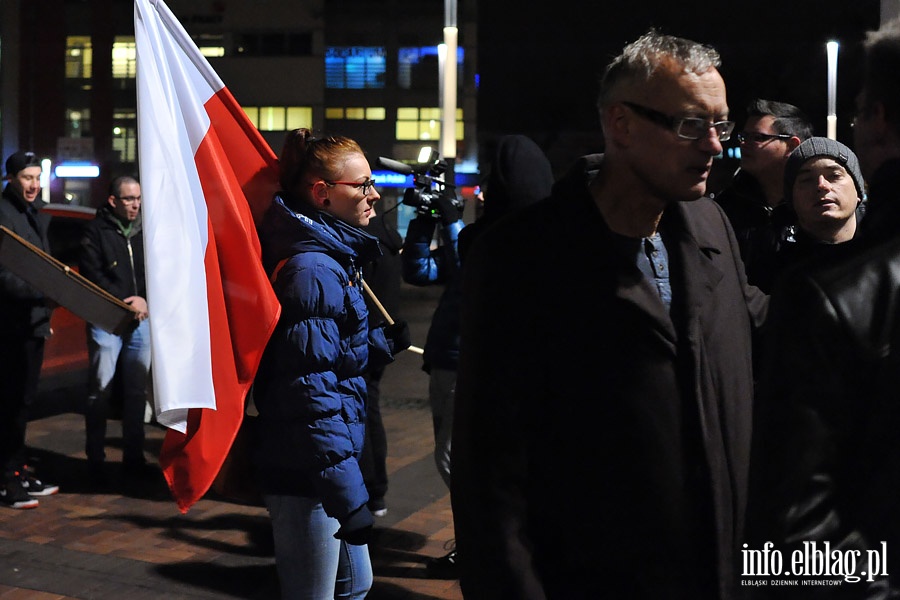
(310, 391)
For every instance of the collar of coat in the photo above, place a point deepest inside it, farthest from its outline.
(695, 232)
(16, 199)
(111, 219)
(285, 233)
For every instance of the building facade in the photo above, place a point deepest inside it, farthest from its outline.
(369, 70)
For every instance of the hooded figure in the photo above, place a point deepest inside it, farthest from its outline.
(520, 175)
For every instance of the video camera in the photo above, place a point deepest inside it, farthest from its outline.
(427, 187)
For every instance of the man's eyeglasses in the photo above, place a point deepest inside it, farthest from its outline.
(745, 137)
(366, 186)
(689, 128)
(129, 199)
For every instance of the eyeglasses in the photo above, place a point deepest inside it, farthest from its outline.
(689, 128)
(366, 186)
(129, 199)
(755, 137)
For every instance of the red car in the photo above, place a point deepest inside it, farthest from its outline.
(66, 351)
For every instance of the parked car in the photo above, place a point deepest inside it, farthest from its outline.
(66, 351)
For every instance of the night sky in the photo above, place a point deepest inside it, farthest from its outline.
(538, 71)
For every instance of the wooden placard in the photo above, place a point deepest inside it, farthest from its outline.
(63, 285)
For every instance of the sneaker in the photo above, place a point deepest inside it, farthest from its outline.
(13, 495)
(34, 486)
(445, 567)
(377, 507)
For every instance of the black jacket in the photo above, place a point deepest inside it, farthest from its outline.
(761, 230)
(23, 311)
(600, 446)
(826, 456)
(111, 259)
(520, 176)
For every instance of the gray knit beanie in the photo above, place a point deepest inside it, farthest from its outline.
(820, 146)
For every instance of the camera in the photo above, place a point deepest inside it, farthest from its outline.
(427, 188)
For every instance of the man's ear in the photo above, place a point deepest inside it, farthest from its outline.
(793, 143)
(111, 201)
(616, 122)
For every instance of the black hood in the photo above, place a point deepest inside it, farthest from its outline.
(520, 175)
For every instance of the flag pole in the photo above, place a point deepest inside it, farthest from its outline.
(385, 313)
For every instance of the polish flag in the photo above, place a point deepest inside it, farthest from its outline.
(207, 176)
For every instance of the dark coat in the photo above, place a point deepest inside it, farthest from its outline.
(309, 390)
(423, 266)
(761, 230)
(23, 311)
(601, 447)
(111, 259)
(520, 176)
(826, 464)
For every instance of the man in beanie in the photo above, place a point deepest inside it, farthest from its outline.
(824, 184)
(24, 325)
(826, 462)
(824, 189)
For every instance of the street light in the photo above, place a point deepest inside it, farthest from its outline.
(832, 49)
(448, 87)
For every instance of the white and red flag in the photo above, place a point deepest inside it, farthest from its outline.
(207, 175)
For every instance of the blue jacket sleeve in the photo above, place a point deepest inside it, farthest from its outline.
(421, 264)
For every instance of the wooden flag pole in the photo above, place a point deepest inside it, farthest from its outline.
(385, 313)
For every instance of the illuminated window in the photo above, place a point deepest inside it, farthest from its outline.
(417, 68)
(354, 67)
(424, 123)
(252, 114)
(210, 45)
(357, 113)
(78, 122)
(124, 139)
(78, 57)
(299, 116)
(123, 57)
(279, 118)
(271, 118)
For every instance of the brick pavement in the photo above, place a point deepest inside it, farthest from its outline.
(131, 542)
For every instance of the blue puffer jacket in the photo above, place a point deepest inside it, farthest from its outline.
(309, 390)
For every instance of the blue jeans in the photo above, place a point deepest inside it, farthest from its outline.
(130, 355)
(311, 563)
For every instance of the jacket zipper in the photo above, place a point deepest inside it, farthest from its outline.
(131, 260)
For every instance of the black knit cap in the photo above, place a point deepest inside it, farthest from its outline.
(21, 160)
(820, 146)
